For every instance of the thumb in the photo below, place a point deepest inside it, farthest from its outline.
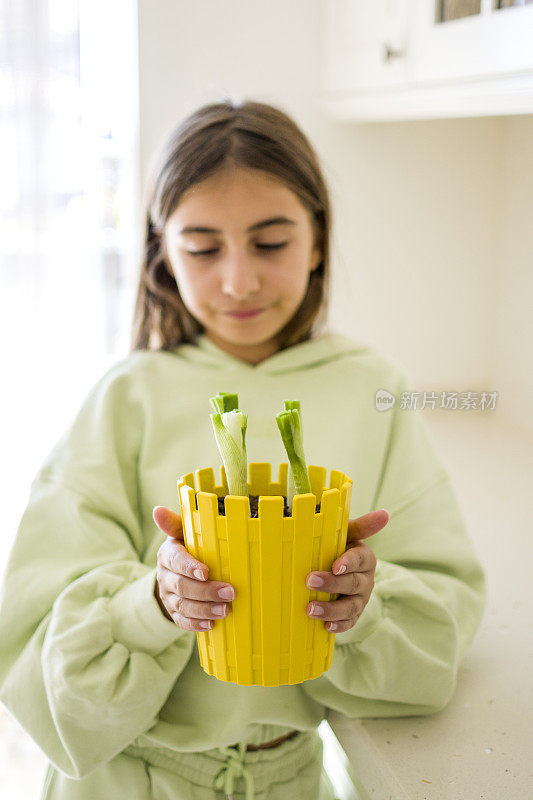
(367, 525)
(168, 521)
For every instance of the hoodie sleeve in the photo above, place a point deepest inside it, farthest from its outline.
(401, 656)
(87, 658)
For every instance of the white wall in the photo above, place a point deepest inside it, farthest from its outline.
(512, 318)
(415, 236)
(430, 235)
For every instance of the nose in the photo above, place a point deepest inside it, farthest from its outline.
(239, 278)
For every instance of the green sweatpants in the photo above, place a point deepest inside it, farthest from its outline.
(291, 770)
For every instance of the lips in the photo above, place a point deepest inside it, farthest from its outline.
(244, 313)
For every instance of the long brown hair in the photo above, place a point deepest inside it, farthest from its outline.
(252, 135)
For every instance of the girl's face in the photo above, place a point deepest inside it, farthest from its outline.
(241, 240)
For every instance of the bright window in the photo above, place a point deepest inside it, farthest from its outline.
(68, 244)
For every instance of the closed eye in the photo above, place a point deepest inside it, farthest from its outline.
(276, 246)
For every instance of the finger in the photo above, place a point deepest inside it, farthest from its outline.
(367, 525)
(173, 555)
(350, 583)
(343, 608)
(192, 589)
(358, 558)
(196, 609)
(197, 625)
(341, 625)
(168, 521)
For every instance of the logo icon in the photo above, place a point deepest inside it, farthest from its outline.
(384, 400)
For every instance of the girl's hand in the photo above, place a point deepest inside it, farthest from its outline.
(192, 602)
(357, 581)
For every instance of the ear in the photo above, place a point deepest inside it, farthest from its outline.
(316, 258)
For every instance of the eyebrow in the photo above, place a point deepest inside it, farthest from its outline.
(256, 226)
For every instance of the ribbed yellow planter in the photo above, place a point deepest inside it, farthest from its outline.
(267, 639)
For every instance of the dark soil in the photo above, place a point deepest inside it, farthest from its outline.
(254, 507)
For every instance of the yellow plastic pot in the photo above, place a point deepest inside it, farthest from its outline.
(267, 638)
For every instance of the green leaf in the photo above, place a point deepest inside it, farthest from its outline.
(229, 427)
(290, 426)
(225, 401)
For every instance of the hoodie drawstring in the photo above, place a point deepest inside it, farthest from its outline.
(234, 769)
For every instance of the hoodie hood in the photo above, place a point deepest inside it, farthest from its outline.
(324, 348)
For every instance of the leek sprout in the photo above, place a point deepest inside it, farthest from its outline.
(229, 425)
(290, 426)
(225, 401)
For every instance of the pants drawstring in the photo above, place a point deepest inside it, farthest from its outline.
(234, 769)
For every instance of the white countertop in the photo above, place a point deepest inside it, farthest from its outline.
(480, 747)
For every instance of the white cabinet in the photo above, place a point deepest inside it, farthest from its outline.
(494, 42)
(409, 59)
(365, 44)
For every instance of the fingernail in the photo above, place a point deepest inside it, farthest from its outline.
(314, 581)
(340, 569)
(226, 593)
(316, 611)
(220, 610)
(199, 574)
(205, 624)
(332, 626)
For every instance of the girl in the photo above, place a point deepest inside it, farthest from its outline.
(99, 615)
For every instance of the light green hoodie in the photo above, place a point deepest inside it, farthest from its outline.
(89, 664)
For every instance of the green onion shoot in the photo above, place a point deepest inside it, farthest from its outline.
(229, 425)
(290, 426)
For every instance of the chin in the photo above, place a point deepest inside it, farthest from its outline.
(248, 334)
(249, 339)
